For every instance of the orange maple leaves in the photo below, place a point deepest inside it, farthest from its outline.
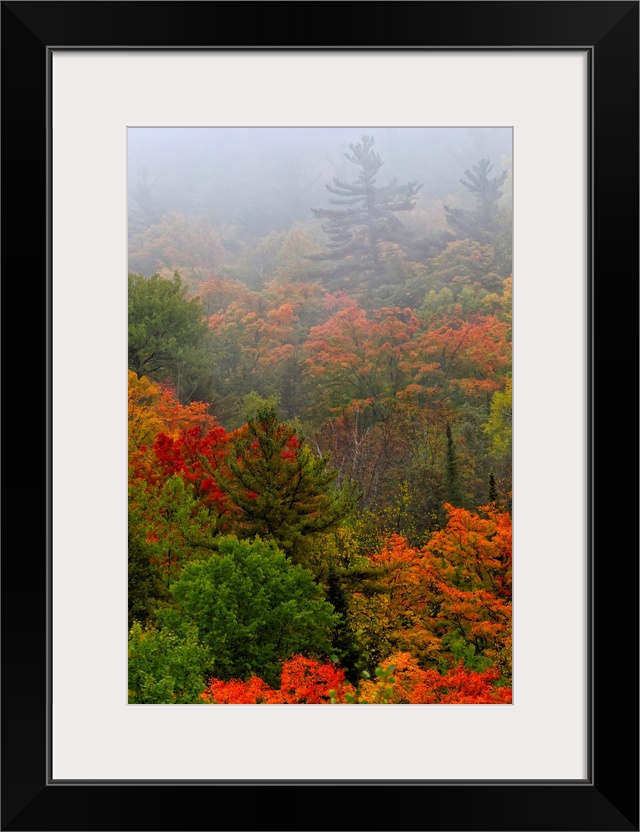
(411, 684)
(307, 681)
(303, 681)
(153, 408)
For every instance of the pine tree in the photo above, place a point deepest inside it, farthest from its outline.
(361, 232)
(285, 493)
(452, 477)
(493, 491)
(481, 224)
(144, 208)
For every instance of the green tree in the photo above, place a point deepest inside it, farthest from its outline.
(498, 426)
(498, 429)
(167, 526)
(252, 609)
(165, 668)
(146, 583)
(167, 333)
(493, 491)
(454, 495)
(363, 233)
(481, 224)
(286, 493)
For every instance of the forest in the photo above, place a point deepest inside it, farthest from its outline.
(320, 416)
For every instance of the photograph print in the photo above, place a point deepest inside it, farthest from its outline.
(320, 415)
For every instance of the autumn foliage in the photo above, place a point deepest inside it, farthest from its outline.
(303, 681)
(412, 685)
(331, 523)
(306, 681)
(153, 409)
(453, 595)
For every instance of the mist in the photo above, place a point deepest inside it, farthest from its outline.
(264, 180)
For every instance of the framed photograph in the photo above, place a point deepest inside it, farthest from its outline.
(96, 96)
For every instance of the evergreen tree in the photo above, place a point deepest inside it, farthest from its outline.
(146, 586)
(482, 224)
(366, 228)
(284, 492)
(493, 491)
(452, 476)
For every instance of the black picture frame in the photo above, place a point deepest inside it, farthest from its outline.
(608, 798)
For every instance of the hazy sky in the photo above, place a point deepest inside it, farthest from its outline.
(221, 170)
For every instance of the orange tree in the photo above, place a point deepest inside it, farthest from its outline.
(470, 607)
(450, 599)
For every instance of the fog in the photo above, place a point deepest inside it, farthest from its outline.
(262, 180)
(357, 279)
